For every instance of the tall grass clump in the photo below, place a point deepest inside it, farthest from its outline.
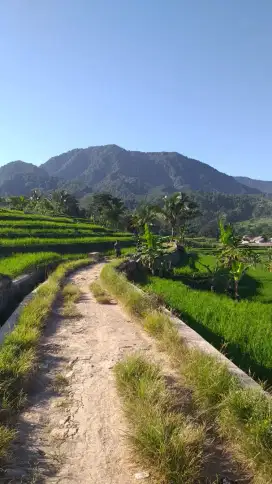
(71, 295)
(101, 296)
(133, 300)
(170, 444)
(245, 419)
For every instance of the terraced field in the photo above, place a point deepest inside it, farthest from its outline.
(30, 240)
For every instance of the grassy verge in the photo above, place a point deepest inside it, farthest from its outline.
(243, 417)
(101, 296)
(134, 301)
(18, 353)
(165, 440)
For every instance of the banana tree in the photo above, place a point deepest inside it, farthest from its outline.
(235, 259)
(144, 214)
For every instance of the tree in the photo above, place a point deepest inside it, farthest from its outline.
(150, 253)
(235, 259)
(107, 209)
(144, 214)
(65, 203)
(18, 203)
(178, 209)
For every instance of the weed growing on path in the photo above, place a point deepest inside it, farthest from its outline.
(101, 296)
(71, 295)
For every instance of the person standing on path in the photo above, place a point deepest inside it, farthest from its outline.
(117, 249)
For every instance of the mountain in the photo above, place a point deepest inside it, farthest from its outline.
(19, 178)
(129, 174)
(261, 185)
(123, 172)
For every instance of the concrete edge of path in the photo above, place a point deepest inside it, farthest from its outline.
(193, 340)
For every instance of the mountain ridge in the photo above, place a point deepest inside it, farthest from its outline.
(123, 172)
(262, 185)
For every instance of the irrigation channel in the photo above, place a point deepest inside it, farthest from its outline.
(12, 292)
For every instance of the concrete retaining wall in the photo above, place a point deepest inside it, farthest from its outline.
(12, 320)
(193, 340)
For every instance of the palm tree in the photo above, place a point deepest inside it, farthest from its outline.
(177, 210)
(144, 214)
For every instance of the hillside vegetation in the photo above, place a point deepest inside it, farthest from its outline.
(262, 185)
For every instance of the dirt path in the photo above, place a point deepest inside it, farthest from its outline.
(78, 437)
(73, 429)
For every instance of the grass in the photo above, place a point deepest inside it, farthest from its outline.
(254, 286)
(18, 353)
(29, 241)
(46, 232)
(101, 296)
(71, 295)
(62, 245)
(243, 328)
(134, 302)
(60, 382)
(243, 417)
(167, 441)
(21, 263)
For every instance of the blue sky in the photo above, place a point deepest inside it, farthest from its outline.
(193, 76)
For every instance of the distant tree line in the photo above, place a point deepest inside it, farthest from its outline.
(197, 213)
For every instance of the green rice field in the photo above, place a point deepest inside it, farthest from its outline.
(29, 240)
(241, 329)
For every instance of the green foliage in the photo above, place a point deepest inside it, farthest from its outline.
(234, 259)
(18, 203)
(106, 209)
(226, 234)
(269, 260)
(178, 209)
(144, 214)
(150, 251)
(256, 226)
